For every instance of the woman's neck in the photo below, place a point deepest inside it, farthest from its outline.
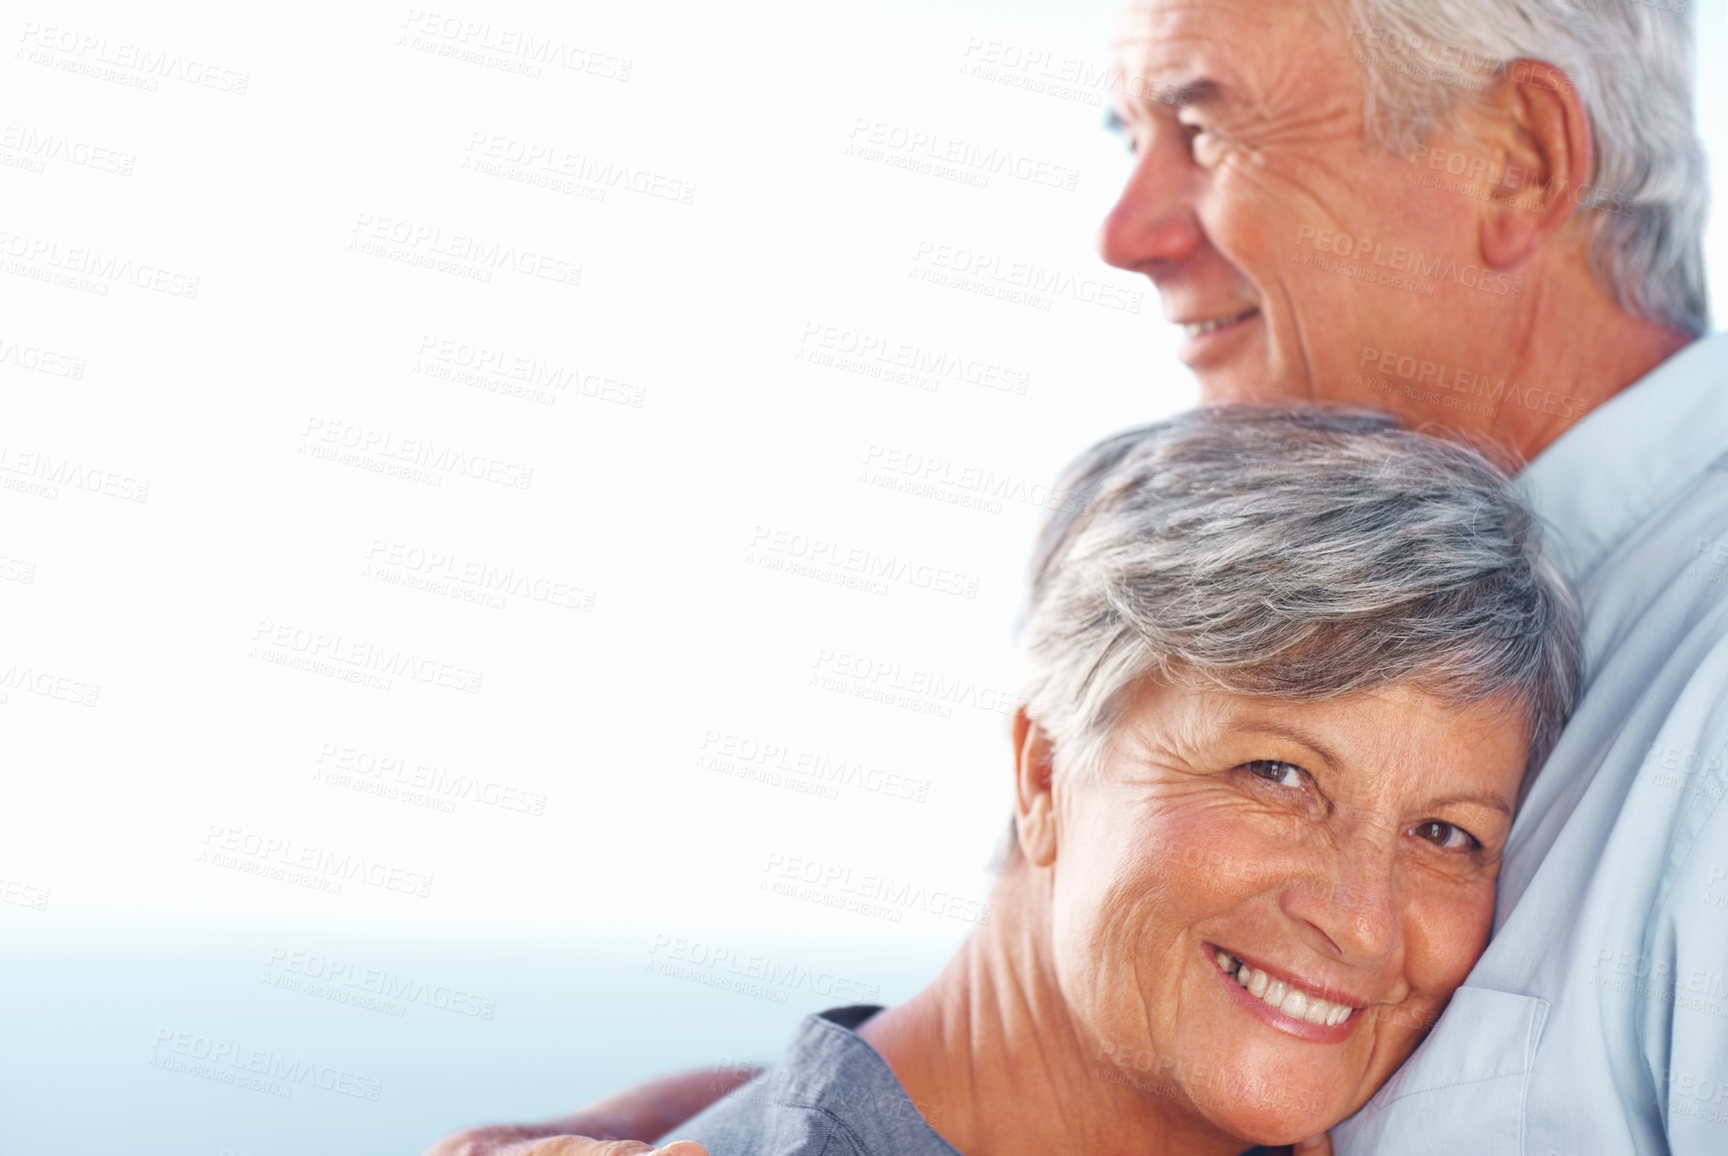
(995, 1063)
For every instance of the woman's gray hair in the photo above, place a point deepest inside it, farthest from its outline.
(1631, 62)
(1303, 553)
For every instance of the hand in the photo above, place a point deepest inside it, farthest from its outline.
(651, 1109)
(1320, 1145)
(511, 1141)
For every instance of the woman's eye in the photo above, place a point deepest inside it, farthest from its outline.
(1446, 836)
(1277, 771)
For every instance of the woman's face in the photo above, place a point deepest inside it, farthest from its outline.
(1338, 857)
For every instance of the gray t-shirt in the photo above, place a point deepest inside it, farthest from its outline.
(834, 1095)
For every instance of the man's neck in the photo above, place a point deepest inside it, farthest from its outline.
(1569, 351)
(995, 1063)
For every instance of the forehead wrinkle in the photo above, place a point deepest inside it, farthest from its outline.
(1288, 105)
(1159, 734)
(1419, 781)
(1199, 53)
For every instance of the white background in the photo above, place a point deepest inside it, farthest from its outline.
(171, 782)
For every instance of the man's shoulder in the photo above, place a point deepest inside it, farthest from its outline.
(1635, 460)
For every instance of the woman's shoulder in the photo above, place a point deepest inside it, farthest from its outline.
(759, 1119)
(833, 1095)
(776, 1114)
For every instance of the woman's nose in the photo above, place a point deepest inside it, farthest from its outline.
(1152, 225)
(1353, 902)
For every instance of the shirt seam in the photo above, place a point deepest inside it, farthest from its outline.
(1521, 1073)
(852, 1137)
(838, 1127)
(1639, 515)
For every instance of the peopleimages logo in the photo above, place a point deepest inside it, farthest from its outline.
(321, 652)
(260, 1069)
(39, 256)
(96, 55)
(877, 140)
(226, 846)
(476, 41)
(1501, 392)
(1401, 259)
(714, 964)
(904, 362)
(1001, 273)
(876, 893)
(343, 981)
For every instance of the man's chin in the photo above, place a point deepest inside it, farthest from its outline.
(1233, 386)
(1240, 371)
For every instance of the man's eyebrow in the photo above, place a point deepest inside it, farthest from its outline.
(1193, 92)
(1200, 91)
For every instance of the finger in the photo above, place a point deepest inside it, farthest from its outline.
(582, 1146)
(1320, 1145)
(577, 1146)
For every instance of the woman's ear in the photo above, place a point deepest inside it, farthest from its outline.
(1034, 807)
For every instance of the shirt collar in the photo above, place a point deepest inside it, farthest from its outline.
(1606, 475)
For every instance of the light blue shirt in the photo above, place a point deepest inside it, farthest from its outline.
(1597, 1020)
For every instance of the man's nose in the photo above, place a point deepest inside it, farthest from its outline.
(1353, 901)
(1152, 225)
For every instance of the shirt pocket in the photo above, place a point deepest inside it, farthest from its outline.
(1463, 1089)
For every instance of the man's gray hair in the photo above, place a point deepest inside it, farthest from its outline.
(1632, 64)
(1297, 552)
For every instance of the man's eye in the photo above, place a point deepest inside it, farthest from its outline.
(1115, 123)
(1206, 144)
(1446, 836)
(1276, 771)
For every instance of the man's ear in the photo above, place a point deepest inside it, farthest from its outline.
(1533, 128)
(1034, 806)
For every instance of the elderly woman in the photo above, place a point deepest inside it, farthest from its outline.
(1291, 669)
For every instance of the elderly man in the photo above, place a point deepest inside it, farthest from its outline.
(1485, 216)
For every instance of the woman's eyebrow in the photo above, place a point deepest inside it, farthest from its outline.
(1493, 802)
(1294, 734)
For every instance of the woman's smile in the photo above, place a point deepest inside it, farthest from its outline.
(1286, 1003)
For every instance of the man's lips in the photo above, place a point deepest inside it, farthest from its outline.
(1199, 327)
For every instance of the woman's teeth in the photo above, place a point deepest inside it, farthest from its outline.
(1196, 328)
(1291, 1001)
